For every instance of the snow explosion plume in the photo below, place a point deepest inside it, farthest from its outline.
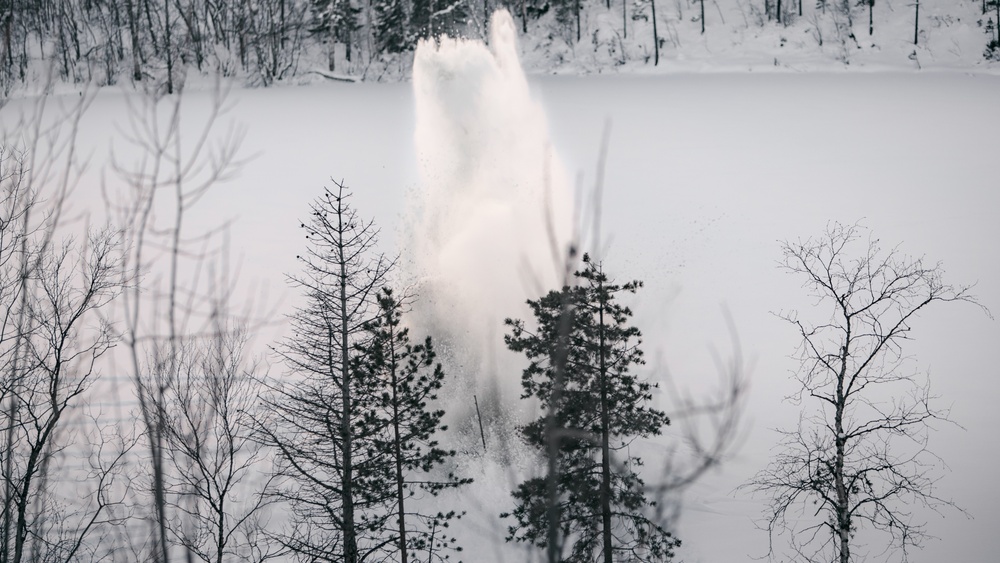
(494, 214)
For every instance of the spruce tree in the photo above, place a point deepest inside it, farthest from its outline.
(582, 360)
(391, 26)
(403, 380)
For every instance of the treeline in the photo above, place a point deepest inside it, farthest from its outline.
(105, 41)
(156, 42)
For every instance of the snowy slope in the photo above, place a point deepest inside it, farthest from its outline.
(739, 36)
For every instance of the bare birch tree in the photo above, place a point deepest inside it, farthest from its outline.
(859, 456)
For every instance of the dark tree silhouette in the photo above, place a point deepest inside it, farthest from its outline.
(318, 428)
(403, 380)
(859, 456)
(583, 354)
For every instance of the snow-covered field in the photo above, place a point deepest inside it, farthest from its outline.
(705, 173)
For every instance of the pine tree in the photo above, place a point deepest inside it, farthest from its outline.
(321, 424)
(391, 26)
(404, 380)
(583, 355)
(335, 21)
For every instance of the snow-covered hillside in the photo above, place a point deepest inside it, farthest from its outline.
(739, 36)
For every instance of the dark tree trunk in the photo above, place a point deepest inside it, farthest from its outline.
(871, 24)
(8, 479)
(840, 487)
(656, 37)
(624, 19)
(702, 17)
(576, 8)
(281, 24)
(916, 23)
(166, 41)
(8, 52)
(346, 432)
(331, 44)
(151, 27)
(397, 447)
(605, 446)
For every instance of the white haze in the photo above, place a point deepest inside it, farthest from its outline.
(492, 219)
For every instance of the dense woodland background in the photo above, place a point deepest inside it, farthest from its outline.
(262, 41)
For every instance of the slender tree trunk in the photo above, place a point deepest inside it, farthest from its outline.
(552, 438)
(8, 476)
(398, 450)
(282, 27)
(624, 19)
(430, 544)
(916, 23)
(150, 26)
(656, 37)
(346, 432)
(63, 47)
(7, 16)
(347, 41)
(220, 530)
(166, 40)
(331, 46)
(871, 24)
(524, 16)
(703, 17)
(800, 8)
(843, 506)
(605, 436)
(777, 11)
(576, 5)
(162, 553)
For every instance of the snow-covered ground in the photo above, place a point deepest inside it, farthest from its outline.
(705, 172)
(738, 36)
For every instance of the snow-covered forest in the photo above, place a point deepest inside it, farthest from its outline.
(395, 281)
(266, 41)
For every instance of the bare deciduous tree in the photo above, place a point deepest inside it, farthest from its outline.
(859, 457)
(165, 311)
(218, 481)
(52, 290)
